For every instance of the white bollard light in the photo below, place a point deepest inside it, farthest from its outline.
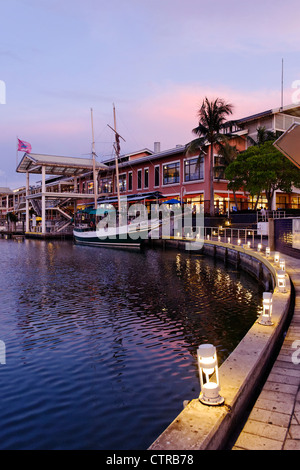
(268, 251)
(266, 316)
(276, 257)
(209, 375)
(259, 247)
(281, 281)
(282, 264)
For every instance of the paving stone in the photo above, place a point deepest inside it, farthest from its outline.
(249, 441)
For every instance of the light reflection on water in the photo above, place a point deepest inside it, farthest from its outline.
(101, 343)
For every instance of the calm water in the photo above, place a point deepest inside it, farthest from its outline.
(101, 344)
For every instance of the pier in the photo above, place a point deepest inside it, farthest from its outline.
(254, 378)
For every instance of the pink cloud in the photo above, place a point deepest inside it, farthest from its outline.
(170, 114)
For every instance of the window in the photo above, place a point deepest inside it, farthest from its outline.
(171, 173)
(156, 176)
(105, 185)
(122, 183)
(90, 186)
(139, 181)
(130, 181)
(194, 169)
(219, 170)
(146, 177)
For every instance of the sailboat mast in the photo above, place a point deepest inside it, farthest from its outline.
(117, 154)
(94, 163)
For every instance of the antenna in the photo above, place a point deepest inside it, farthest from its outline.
(281, 109)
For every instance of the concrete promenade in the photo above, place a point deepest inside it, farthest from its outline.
(274, 422)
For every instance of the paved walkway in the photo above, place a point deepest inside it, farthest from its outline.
(274, 422)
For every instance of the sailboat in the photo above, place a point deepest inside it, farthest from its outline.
(113, 228)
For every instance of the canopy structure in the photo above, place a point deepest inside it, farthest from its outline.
(64, 167)
(289, 144)
(56, 165)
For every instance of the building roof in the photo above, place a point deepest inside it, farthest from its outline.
(4, 190)
(56, 165)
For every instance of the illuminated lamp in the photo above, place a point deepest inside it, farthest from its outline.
(281, 281)
(268, 251)
(282, 264)
(276, 257)
(259, 247)
(265, 318)
(209, 375)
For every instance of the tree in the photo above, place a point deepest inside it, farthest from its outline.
(262, 168)
(212, 116)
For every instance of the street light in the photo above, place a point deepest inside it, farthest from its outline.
(208, 370)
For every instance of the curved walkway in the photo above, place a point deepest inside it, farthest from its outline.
(274, 422)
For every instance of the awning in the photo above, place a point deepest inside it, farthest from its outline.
(289, 144)
(171, 201)
(225, 195)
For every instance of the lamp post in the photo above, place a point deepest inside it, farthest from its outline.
(265, 318)
(209, 375)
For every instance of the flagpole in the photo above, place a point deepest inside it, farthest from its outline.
(17, 154)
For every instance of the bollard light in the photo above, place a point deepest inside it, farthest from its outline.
(239, 242)
(281, 282)
(259, 247)
(276, 257)
(207, 237)
(209, 375)
(266, 316)
(282, 264)
(228, 239)
(249, 244)
(219, 238)
(268, 251)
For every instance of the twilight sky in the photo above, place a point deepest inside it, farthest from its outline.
(155, 59)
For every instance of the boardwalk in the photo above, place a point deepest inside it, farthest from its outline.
(274, 422)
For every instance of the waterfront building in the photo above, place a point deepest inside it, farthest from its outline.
(146, 176)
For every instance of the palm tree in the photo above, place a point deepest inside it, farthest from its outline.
(212, 116)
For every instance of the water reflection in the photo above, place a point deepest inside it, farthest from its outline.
(103, 340)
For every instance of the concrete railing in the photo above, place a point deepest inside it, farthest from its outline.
(202, 427)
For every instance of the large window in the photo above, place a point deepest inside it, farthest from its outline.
(194, 169)
(171, 173)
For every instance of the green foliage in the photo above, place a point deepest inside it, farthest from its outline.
(262, 168)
